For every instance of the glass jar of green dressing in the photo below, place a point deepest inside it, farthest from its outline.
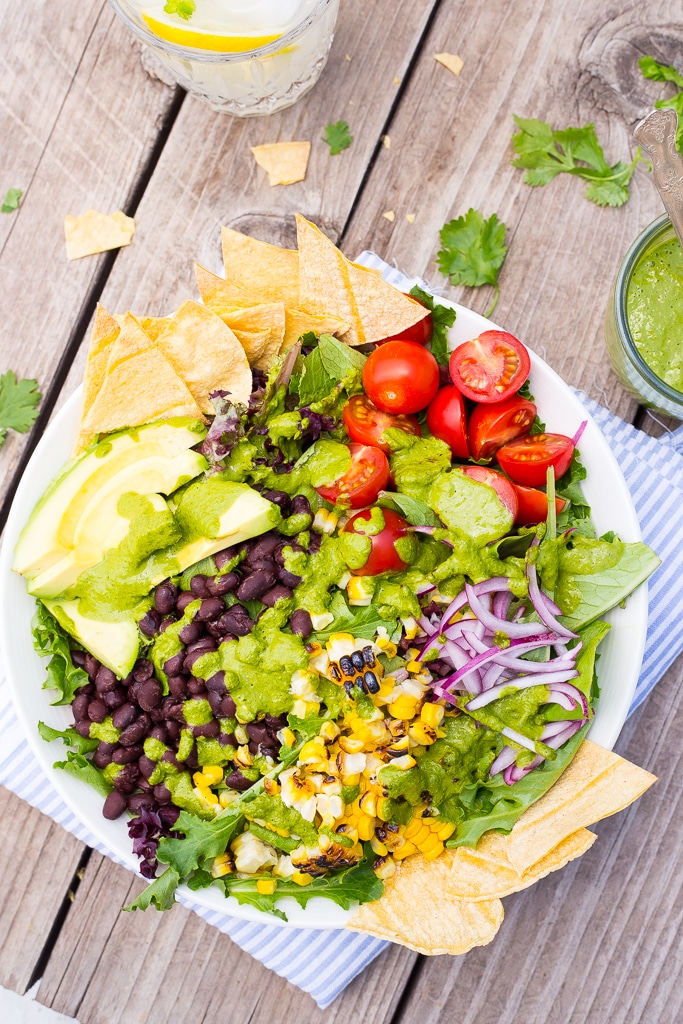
(644, 321)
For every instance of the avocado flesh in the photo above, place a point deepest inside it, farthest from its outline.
(48, 535)
(115, 644)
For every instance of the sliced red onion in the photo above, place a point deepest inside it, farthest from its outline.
(425, 588)
(515, 630)
(422, 529)
(573, 692)
(579, 433)
(501, 603)
(543, 606)
(518, 683)
(515, 774)
(507, 756)
(571, 726)
(517, 737)
(557, 697)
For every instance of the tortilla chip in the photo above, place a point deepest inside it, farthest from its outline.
(260, 272)
(329, 283)
(105, 331)
(206, 355)
(254, 344)
(215, 292)
(285, 162)
(152, 325)
(95, 232)
(140, 385)
(297, 323)
(418, 911)
(596, 784)
(451, 61)
(485, 874)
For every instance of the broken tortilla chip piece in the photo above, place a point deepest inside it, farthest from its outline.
(596, 784)
(297, 323)
(329, 283)
(418, 910)
(258, 271)
(215, 292)
(254, 344)
(140, 386)
(268, 318)
(95, 232)
(284, 162)
(451, 61)
(205, 353)
(485, 874)
(105, 331)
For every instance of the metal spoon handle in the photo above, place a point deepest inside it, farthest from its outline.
(656, 133)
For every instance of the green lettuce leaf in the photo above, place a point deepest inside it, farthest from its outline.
(50, 641)
(443, 317)
(604, 590)
(363, 621)
(160, 894)
(203, 840)
(81, 768)
(418, 513)
(70, 737)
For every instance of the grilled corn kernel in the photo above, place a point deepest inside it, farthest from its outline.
(387, 687)
(351, 745)
(313, 750)
(227, 797)
(384, 809)
(241, 735)
(368, 803)
(287, 737)
(384, 867)
(366, 828)
(387, 646)
(321, 620)
(243, 758)
(445, 831)
(404, 851)
(422, 733)
(404, 763)
(378, 847)
(266, 886)
(410, 627)
(271, 786)
(357, 593)
(399, 745)
(221, 866)
(324, 521)
(432, 714)
(329, 731)
(206, 797)
(302, 878)
(403, 707)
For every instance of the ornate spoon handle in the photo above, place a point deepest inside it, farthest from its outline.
(656, 133)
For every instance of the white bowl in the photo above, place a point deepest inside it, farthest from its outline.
(620, 654)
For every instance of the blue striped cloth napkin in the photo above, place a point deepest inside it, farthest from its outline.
(323, 963)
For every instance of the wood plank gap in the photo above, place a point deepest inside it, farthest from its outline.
(60, 919)
(88, 306)
(411, 981)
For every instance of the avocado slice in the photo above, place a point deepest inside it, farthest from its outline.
(49, 534)
(115, 644)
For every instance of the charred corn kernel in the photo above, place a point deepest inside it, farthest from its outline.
(404, 851)
(366, 828)
(433, 854)
(410, 627)
(384, 867)
(351, 745)
(271, 786)
(324, 521)
(227, 797)
(329, 731)
(384, 809)
(403, 707)
(243, 758)
(357, 592)
(302, 878)
(221, 866)
(404, 763)
(313, 750)
(241, 735)
(351, 780)
(397, 727)
(445, 831)
(414, 826)
(287, 737)
(347, 828)
(386, 688)
(387, 646)
(214, 773)
(313, 648)
(368, 803)
(422, 733)
(432, 714)
(399, 745)
(378, 847)
(266, 886)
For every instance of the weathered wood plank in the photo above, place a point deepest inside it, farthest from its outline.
(110, 967)
(79, 120)
(450, 150)
(39, 863)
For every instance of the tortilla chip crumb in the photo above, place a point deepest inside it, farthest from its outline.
(451, 61)
(348, 56)
(397, 81)
(284, 162)
(95, 232)
(410, 217)
(386, 141)
(390, 216)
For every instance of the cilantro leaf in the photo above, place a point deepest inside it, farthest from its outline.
(18, 401)
(545, 153)
(363, 621)
(70, 737)
(338, 136)
(183, 8)
(443, 317)
(160, 894)
(657, 72)
(11, 201)
(50, 641)
(81, 768)
(473, 251)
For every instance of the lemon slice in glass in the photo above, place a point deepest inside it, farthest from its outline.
(169, 28)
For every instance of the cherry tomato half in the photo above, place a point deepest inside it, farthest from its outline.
(532, 506)
(366, 424)
(420, 333)
(446, 420)
(401, 377)
(490, 368)
(526, 459)
(383, 554)
(360, 485)
(492, 426)
(503, 488)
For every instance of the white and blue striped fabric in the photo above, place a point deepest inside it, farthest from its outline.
(323, 963)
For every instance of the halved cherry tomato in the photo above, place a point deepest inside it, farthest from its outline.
(532, 506)
(492, 426)
(401, 377)
(383, 554)
(490, 368)
(366, 424)
(420, 333)
(360, 485)
(446, 420)
(503, 488)
(527, 459)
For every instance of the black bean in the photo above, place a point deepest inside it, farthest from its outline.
(214, 700)
(144, 785)
(97, 710)
(211, 728)
(169, 815)
(255, 585)
(271, 750)
(253, 747)
(106, 748)
(144, 669)
(221, 558)
(174, 665)
(227, 740)
(198, 586)
(261, 563)
(105, 680)
(289, 579)
(139, 802)
(187, 597)
(276, 721)
(279, 498)
(126, 780)
(192, 657)
(216, 682)
(158, 732)
(300, 622)
(147, 766)
(156, 714)
(177, 685)
(210, 608)
(236, 620)
(123, 716)
(165, 598)
(149, 694)
(173, 730)
(228, 707)
(191, 632)
(114, 805)
(150, 622)
(79, 706)
(78, 658)
(173, 709)
(314, 543)
(100, 759)
(258, 731)
(91, 666)
(235, 780)
(301, 505)
(289, 545)
(162, 795)
(126, 755)
(133, 733)
(192, 761)
(275, 594)
(165, 623)
(214, 630)
(223, 584)
(169, 757)
(116, 698)
(196, 687)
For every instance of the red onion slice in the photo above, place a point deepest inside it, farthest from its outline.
(507, 756)
(518, 683)
(579, 433)
(543, 606)
(514, 630)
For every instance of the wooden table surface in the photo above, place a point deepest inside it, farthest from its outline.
(83, 123)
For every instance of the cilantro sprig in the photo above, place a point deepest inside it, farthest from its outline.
(472, 251)
(545, 153)
(443, 317)
(11, 201)
(338, 136)
(183, 8)
(18, 402)
(657, 72)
